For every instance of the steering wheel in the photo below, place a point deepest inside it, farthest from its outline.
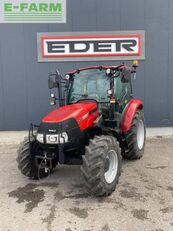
(85, 100)
(95, 96)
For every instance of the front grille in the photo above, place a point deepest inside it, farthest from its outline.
(57, 128)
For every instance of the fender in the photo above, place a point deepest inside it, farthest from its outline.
(128, 114)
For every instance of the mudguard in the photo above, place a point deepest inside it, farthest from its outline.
(128, 114)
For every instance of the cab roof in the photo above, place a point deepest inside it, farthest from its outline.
(94, 67)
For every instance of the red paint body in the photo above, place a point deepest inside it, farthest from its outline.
(76, 111)
(129, 113)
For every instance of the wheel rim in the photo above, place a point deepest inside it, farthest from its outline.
(112, 162)
(140, 134)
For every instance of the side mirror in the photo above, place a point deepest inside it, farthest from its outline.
(52, 83)
(125, 75)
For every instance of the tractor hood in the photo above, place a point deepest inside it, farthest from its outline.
(77, 111)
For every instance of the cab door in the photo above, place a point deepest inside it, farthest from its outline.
(123, 93)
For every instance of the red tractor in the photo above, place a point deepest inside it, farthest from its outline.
(98, 122)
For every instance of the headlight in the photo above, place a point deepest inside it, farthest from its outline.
(57, 138)
(64, 137)
(53, 139)
(40, 137)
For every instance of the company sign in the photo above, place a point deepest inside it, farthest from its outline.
(27, 11)
(87, 46)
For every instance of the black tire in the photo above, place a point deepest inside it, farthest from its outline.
(135, 151)
(94, 162)
(26, 164)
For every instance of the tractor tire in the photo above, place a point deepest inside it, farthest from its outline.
(102, 165)
(135, 138)
(26, 164)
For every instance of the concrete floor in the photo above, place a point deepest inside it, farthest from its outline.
(142, 201)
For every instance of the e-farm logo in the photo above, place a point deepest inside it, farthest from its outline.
(53, 11)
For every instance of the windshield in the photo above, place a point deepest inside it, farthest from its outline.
(89, 84)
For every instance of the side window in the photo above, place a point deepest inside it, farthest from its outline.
(127, 90)
(118, 88)
(123, 90)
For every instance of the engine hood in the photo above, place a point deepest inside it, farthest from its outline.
(76, 111)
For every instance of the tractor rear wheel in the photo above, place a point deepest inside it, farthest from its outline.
(102, 165)
(26, 164)
(135, 138)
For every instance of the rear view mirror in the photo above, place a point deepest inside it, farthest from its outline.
(52, 83)
(125, 75)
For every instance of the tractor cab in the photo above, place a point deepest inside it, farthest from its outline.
(108, 86)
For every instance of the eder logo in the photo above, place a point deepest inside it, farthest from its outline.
(99, 46)
(33, 11)
(91, 47)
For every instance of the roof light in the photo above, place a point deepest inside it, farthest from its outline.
(52, 95)
(109, 92)
(135, 63)
(67, 77)
(108, 71)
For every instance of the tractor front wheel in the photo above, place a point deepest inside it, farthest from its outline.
(102, 165)
(26, 164)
